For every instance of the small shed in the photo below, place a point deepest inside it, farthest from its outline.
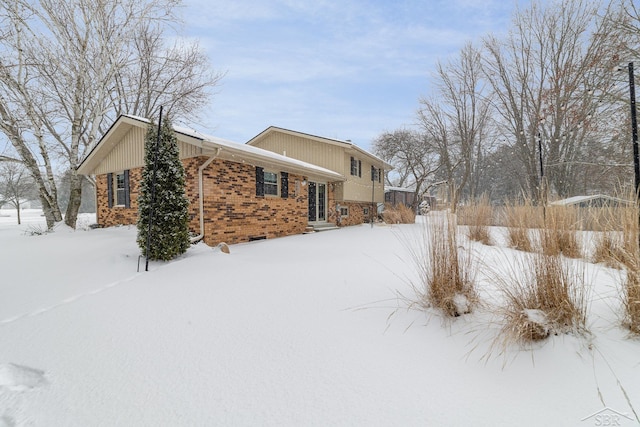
(397, 195)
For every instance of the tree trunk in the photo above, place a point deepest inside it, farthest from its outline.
(18, 211)
(75, 198)
(50, 214)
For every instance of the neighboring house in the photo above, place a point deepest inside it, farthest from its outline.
(352, 200)
(589, 210)
(595, 201)
(397, 195)
(237, 192)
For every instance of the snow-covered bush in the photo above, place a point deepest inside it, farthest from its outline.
(169, 222)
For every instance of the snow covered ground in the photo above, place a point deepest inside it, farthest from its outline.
(296, 331)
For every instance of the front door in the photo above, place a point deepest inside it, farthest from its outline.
(317, 202)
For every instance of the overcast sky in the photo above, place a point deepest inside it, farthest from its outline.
(345, 69)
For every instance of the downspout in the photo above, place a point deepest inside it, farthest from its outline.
(201, 195)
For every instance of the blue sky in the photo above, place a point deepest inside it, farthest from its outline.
(347, 69)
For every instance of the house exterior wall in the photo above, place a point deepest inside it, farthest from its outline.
(129, 153)
(232, 211)
(358, 188)
(117, 215)
(356, 213)
(330, 156)
(326, 155)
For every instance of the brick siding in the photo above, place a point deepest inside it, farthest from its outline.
(356, 213)
(232, 211)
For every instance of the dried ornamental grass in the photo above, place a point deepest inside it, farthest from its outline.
(543, 295)
(445, 275)
(479, 217)
(399, 214)
(518, 220)
(560, 232)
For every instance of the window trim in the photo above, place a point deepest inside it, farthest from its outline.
(356, 167)
(114, 190)
(269, 184)
(119, 190)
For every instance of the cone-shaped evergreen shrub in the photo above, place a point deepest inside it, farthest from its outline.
(170, 229)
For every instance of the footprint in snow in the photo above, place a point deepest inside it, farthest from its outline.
(19, 378)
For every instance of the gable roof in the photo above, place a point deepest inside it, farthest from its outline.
(348, 146)
(210, 145)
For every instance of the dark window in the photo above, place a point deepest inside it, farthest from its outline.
(354, 167)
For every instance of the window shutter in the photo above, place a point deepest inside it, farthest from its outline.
(284, 185)
(259, 181)
(110, 190)
(360, 168)
(380, 172)
(127, 197)
(373, 173)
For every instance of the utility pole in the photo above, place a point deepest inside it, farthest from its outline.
(153, 191)
(634, 129)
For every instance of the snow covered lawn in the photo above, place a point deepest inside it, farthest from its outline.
(285, 332)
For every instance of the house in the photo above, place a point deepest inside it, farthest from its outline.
(352, 200)
(237, 192)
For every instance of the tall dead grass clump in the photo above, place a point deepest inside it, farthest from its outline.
(608, 249)
(559, 235)
(543, 295)
(478, 217)
(445, 274)
(519, 218)
(399, 214)
(631, 262)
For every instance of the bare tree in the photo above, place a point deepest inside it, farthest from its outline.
(551, 78)
(15, 185)
(457, 118)
(412, 155)
(68, 67)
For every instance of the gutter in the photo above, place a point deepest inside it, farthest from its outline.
(201, 196)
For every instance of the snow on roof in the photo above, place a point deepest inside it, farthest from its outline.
(210, 141)
(401, 189)
(347, 143)
(580, 199)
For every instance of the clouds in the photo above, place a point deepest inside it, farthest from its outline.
(334, 68)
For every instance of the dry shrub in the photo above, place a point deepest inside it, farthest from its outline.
(619, 247)
(608, 249)
(478, 216)
(560, 232)
(631, 300)
(519, 217)
(445, 275)
(631, 262)
(617, 242)
(399, 214)
(543, 295)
